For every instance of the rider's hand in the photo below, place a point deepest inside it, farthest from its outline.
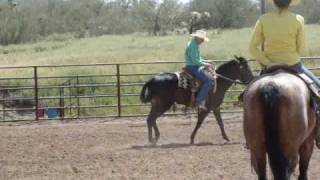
(208, 65)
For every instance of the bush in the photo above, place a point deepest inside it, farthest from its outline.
(60, 37)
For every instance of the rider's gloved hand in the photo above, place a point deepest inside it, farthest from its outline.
(208, 65)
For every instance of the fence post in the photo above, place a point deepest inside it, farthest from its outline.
(78, 100)
(118, 90)
(263, 6)
(61, 103)
(70, 97)
(36, 95)
(4, 106)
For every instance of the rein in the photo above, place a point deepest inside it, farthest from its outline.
(231, 80)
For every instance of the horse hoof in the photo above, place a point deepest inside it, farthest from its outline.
(226, 138)
(153, 142)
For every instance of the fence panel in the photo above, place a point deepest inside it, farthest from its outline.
(90, 91)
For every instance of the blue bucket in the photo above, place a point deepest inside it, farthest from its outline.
(52, 112)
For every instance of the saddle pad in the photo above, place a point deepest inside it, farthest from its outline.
(305, 78)
(183, 80)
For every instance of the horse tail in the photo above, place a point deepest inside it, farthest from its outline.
(270, 98)
(145, 95)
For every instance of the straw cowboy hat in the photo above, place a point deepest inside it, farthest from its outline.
(293, 2)
(201, 34)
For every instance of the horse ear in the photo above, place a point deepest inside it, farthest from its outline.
(241, 59)
(238, 58)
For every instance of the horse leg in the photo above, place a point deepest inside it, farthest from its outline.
(151, 122)
(156, 132)
(217, 114)
(258, 161)
(164, 108)
(201, 116)
(150, 119)
(158, 108)
(305, 153)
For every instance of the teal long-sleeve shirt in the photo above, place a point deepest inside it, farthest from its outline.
(192, 54)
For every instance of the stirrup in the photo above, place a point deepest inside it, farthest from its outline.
(202, 106)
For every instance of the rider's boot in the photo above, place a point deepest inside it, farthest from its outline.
(202, 106)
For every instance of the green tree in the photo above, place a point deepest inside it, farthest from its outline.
(310, 10)
(227, 13)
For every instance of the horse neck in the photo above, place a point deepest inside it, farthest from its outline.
(216, 98)
(223, 85)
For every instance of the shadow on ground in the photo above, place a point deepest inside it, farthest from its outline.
(181, 145)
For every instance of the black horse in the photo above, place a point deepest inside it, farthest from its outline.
(162, 91)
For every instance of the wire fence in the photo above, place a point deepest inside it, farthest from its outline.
(29, 93)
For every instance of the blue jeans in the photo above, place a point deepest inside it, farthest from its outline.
(208, 83)
(302, 69)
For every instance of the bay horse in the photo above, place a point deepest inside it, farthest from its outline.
(162, 91)
(279, 121)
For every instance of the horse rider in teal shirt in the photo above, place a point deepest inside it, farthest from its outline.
(195, 65)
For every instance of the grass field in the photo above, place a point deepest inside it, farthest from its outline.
(134, 48)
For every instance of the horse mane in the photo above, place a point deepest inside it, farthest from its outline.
(226, 66)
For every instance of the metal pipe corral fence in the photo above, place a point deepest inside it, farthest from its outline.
(86, 91)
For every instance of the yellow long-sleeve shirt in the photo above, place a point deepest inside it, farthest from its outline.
(283, 36)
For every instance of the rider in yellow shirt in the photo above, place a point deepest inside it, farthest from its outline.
(283, 35)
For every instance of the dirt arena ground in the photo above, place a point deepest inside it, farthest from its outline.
(118, 149)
